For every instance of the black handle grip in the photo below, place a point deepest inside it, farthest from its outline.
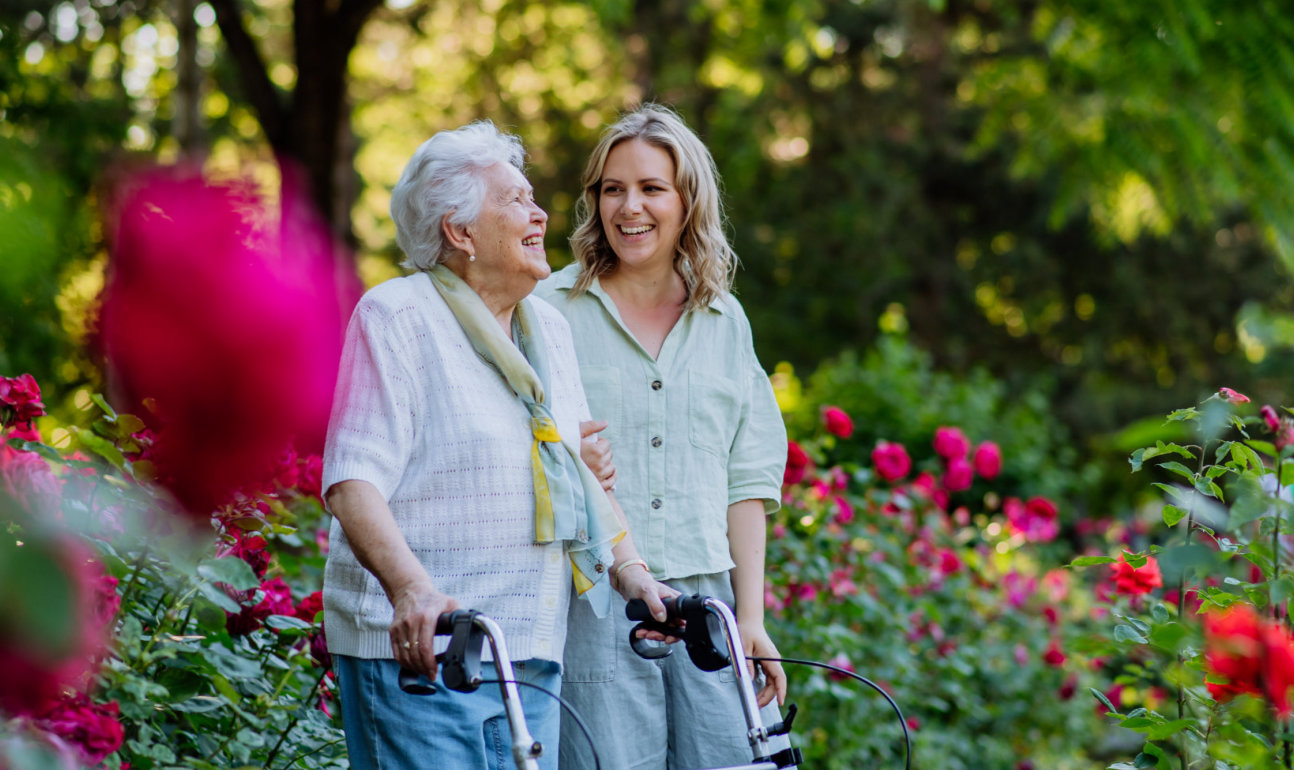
(636, 609)
(417, 684)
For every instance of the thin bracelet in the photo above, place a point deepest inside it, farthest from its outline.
(630, 563)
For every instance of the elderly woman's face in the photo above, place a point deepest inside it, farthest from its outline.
(509, 234)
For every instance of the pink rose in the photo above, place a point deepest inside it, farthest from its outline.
(837, 422)
(844, 511)
(959, 475)
(951, 443)
(1227, 394)
(229, 320)
(92, 728)
(891, 461)
(309, 607)
(19, 399)
(1269, 417)
(1035, 520)
(987, 460)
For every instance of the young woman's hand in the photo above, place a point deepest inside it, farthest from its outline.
(757, 644)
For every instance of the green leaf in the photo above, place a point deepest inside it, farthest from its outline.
(100, 446)
(1181, 470)
(1091, 561)
(1126, 633)
(1161, 731)
(1103, 699)
(218, 598)
(232, 570)
(102, 404)
(1173, 514)
(286, 623)
(1135, 560)
(1136, 459)
(199, 704)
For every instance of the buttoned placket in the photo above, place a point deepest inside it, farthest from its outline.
(655, 381)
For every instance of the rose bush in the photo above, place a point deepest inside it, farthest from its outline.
(130, 638)
(1199, 602)
(918, 576)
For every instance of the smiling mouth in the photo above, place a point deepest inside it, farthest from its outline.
(636, 229)
(533, 241)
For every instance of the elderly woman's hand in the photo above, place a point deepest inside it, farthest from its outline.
(413, 627)
(595, 451)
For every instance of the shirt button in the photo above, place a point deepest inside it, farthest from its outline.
(656, 384)
(550, 601)
(655, 440)
(599, 568)
(656, 503)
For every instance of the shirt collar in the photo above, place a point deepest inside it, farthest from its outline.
(564, 280)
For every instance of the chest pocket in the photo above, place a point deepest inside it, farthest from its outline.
(602, 389)
(713, 410)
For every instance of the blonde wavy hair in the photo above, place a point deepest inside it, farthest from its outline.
(703, 256)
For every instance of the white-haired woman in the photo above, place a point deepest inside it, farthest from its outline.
(451, 466)
(667, 361)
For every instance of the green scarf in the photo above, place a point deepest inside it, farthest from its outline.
(570, 504)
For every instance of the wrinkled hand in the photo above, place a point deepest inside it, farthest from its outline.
(757, 643)
(637, 583)
(595, 451)
(416, 610)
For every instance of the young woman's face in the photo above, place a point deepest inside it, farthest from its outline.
(641, 209)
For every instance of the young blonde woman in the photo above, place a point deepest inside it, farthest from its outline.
(667, 361)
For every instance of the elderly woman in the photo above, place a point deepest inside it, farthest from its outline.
(667, 361)
(452, 470)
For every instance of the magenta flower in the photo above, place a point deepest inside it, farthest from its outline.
(93, 729)
(959, 475)
(1035, 520)
(797, 463)
(229, 322)
(837, 422)
(951, 443)
(1227, 394)
(891, 461)
(987, 460)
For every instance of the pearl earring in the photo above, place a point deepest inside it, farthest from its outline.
(471, 257)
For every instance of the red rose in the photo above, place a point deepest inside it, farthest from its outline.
(891, 461)
(93, 728)
(951, 443)
(19, 399)
(1035, 520)
(309, 607)
(276, 599)
(1134, 581)
(959, 475)
(1227, 394)
(1253, 656)
(250, 548)
(987, 460)
(949, 562)
(797, 462)
(844, 511)
(837, 422)
(311, 479)
(1054, 656)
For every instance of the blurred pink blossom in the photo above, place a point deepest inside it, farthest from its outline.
(950, 443)
(987, 460)
(228, 320)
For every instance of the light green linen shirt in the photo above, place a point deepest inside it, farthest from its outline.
(692, 431)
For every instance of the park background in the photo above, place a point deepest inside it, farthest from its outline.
(1023, 230)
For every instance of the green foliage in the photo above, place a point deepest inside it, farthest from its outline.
(1222, 547)
(894, 392)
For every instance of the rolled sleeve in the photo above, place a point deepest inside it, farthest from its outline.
(758, 457)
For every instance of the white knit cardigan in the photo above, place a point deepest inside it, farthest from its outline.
(420, 415)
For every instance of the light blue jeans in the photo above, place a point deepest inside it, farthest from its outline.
(389, 729)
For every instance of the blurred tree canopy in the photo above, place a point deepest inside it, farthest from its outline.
(1095, 199)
